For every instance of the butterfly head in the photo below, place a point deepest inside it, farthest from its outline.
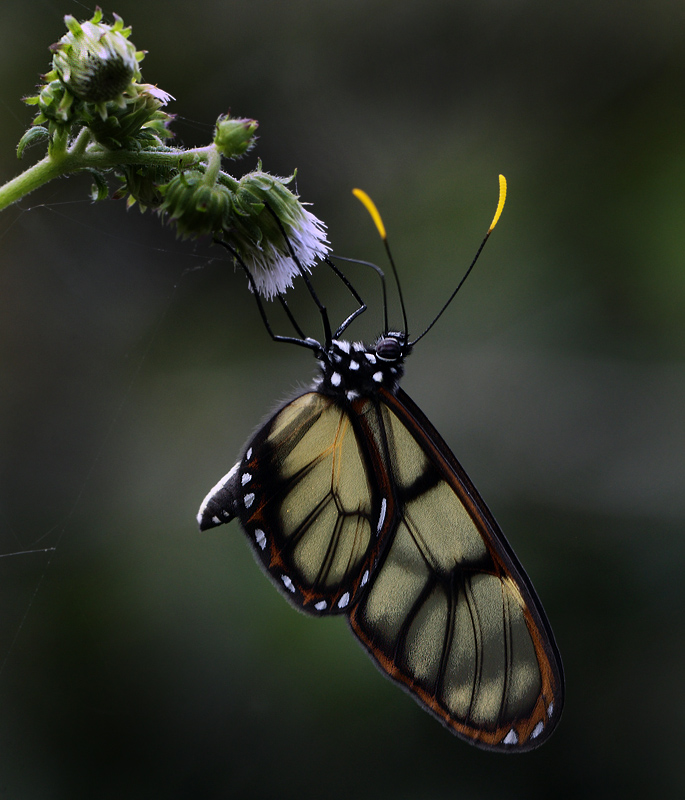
(352, 369)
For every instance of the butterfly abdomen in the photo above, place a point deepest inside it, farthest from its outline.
(219, 506)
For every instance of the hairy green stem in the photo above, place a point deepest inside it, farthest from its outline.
(82, 141)
(213, 166)
(84, 155)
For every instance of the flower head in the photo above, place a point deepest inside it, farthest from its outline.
(257, 216)
(96, 62)
(274, 234)
(95, 82)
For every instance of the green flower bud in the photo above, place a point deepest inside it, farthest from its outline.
(137, 122)
(55, 103)
(234, 137)
(143, 185)
(194, 206)
(95, 61)
(95, 83)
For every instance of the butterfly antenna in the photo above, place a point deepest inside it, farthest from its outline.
(495, 220)
(303, 341)
(380, 227)
(315, 297)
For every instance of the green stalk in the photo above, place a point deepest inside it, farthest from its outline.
(84, 155)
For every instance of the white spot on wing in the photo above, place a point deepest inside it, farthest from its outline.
(335, 379)
(248, 455)
(289, 585)
(344, 600)
(245, 478)
(381, 516)
(249, 499)
(351, 395)
(320, 606)
(537, 730)
(260, 536)
(377, 376)
(371, 357)
(511, 738)
(365, 578)
(354, 365)
(550, 709)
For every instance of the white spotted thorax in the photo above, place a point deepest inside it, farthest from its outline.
(352, 369)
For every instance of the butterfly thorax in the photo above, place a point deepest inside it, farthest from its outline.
(352, 369)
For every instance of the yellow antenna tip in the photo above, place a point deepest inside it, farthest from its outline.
(500, 204)
(373, 211)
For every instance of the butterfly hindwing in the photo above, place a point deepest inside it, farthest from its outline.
(310, 496)
(449, 613)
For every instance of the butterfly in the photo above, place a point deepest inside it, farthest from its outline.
(353, 504)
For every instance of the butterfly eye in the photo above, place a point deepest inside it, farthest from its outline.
(388, 348)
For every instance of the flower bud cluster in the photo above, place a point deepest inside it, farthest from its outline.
(258, 216)
(99, 117)
(95, 82)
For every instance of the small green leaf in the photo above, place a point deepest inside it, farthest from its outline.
(32, 135)
(100, 189)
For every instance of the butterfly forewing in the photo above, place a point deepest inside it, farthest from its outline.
(311, 502)
(449, 613)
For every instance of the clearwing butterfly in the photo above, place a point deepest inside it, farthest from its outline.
(353, 504)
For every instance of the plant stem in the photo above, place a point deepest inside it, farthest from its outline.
(213, 167)
(82, 141)
(85, 155)
(35, 176)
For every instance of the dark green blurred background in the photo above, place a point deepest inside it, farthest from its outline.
(141, 659)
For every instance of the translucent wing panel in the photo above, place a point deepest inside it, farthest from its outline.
(460, 542)
(316, 503)
(448, 613)
(463, 640)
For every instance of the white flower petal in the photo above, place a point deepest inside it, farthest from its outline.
(273, 270)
